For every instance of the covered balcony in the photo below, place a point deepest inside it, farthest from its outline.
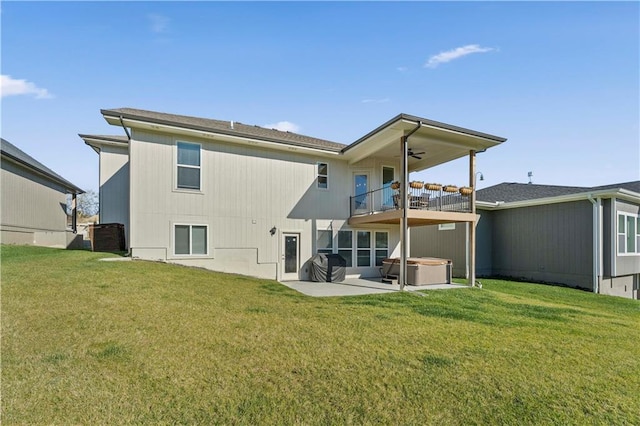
(427, 204)
(420, 144)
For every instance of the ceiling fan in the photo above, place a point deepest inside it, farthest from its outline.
(413, 154)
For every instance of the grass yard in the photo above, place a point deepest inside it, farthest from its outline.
(90, 342)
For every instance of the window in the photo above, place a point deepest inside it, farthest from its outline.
(628, 233)
(446, 227)
(188, 164)
(382, 247)
(345, 246)
(190, 240)
(325, 242)
(363, 257)
(323, 175)
(388, 176)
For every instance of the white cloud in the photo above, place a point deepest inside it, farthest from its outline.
(283, 126)
(159, 23)
(402, 69)
(11, 86)
(456, 53)
(375, 101)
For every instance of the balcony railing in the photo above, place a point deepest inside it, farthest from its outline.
(419, 197)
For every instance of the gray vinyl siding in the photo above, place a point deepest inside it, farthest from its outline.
(626, 264)
(608, 237)
(484, 244)
(33, 208)
(31, 201)
(429, 241)
(548, 243)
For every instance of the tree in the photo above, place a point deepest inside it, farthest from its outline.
(87, 204)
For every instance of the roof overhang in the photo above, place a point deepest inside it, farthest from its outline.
(71, 188)
(440, 142)
(116, 119)
(620, 194)
(98, 142)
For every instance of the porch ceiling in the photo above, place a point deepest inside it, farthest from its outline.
(414, 217)
(440, 142)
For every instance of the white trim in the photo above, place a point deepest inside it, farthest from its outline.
(370, 248)
(173, 255)
(374, 248)
(325, 175)
(361, 172)
(635, 235)
(176, 165)
(283, 276)
(382, 167)
(447, 226)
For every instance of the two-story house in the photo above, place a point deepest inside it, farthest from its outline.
(246, 199)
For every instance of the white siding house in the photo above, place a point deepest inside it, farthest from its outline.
(33, 202)
(245, 199)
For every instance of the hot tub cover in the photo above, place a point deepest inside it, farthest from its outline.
(327, 268)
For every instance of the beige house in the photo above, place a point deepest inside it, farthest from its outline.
(245, 199)
(33, 207)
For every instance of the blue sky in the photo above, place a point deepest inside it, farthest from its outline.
(560, 80)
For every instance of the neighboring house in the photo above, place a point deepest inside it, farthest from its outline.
(581, 237)
(34, 202)
(245, 199)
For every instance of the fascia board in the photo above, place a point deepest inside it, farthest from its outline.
(64, 183)
(220, 137)
(606, 193)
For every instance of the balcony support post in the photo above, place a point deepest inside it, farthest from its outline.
(404, 197)
(472, 225)
(404, 228)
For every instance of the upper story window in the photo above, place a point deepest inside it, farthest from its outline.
(628, 233)
(188, 166)
(323, 175)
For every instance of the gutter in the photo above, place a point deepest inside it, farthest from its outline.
(597, 241)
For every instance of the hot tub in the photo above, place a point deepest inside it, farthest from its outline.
(420, 270)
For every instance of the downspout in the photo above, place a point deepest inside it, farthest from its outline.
(597, 242)
(125, 129)
(128, 237)
(404, 223)
(74, 213)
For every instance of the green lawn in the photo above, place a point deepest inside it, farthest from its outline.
(90, 342)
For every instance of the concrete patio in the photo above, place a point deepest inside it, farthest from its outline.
(358, 287)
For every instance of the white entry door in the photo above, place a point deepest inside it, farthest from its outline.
(290, 262)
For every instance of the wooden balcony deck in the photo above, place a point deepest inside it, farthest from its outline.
(425, 207)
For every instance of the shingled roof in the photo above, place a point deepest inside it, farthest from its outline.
(224, 127)
(11, 151)
(509, 192)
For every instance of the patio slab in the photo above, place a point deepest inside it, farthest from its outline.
(358, 287)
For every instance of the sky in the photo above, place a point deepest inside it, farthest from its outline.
(559, 80)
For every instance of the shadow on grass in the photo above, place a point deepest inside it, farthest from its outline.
(475, 306)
